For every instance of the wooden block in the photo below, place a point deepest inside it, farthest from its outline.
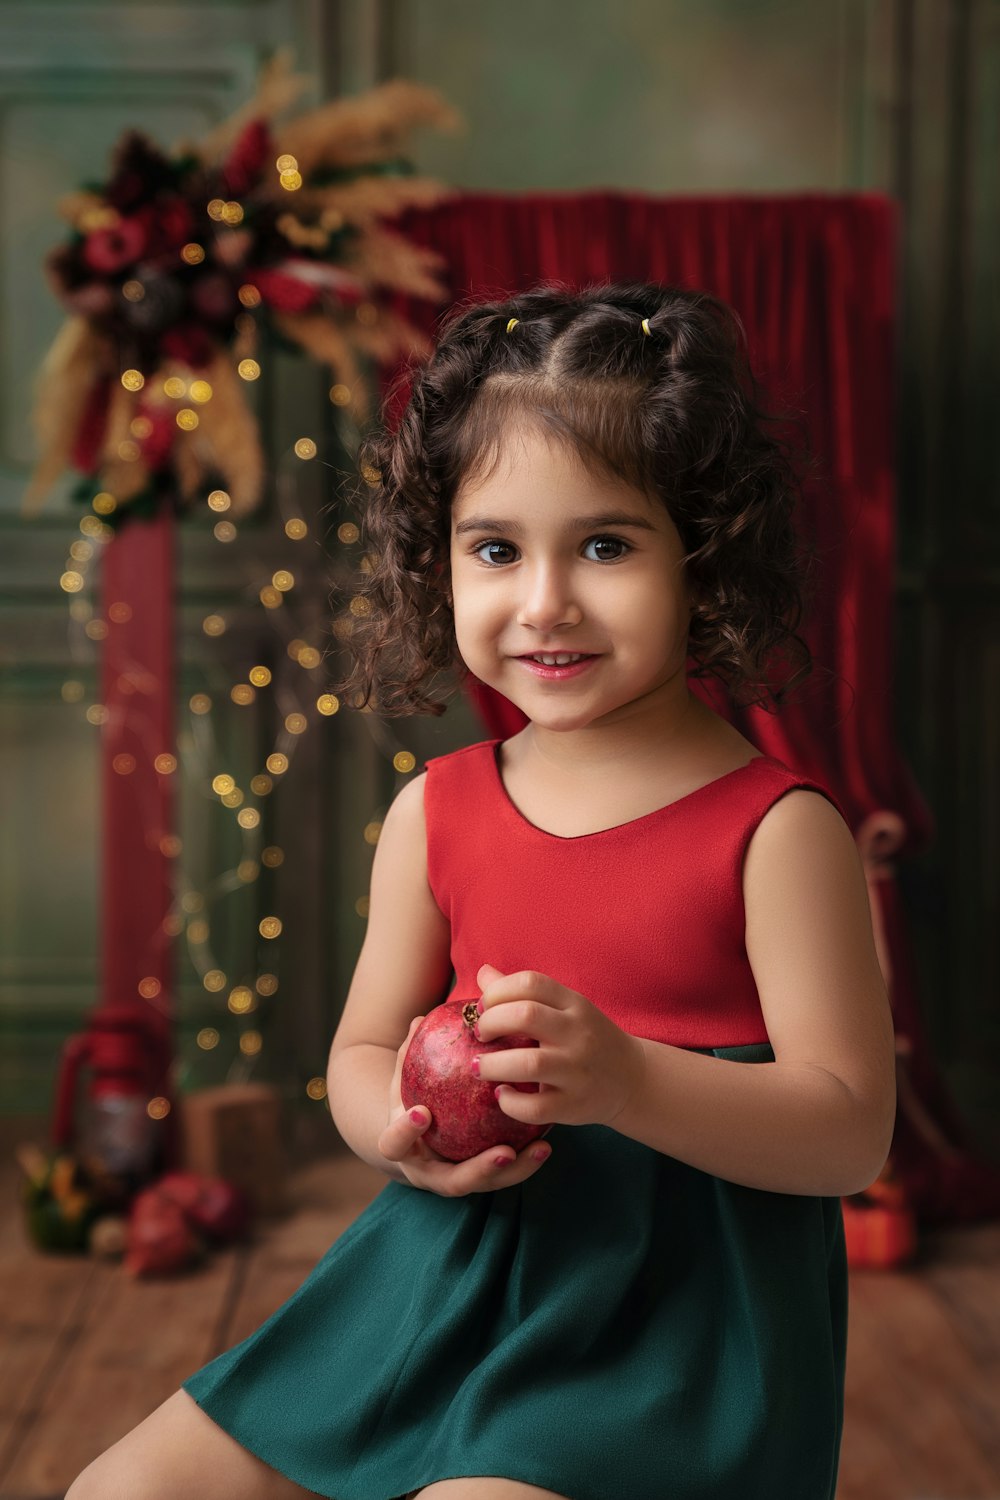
(235, 1131)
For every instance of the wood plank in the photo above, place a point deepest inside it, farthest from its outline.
(914, 1379)
(134, 1343)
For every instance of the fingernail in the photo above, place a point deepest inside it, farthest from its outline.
(475, 1066)
(480, 1006)
(542, 1154)
(417, 1116)
(501, 1161)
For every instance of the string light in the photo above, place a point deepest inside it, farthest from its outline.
(133, 380)
(248, 369)
(259, 676)
(249, 295)
(158, 1108)
(340, 394)
(224, 531)
(269, 927)
(296, 529)
(316, 1088)
(219, 500)
(305, 448)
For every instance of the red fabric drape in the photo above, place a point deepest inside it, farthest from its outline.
(813, 278)
(137, 690)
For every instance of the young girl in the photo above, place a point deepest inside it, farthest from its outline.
(651, 1302)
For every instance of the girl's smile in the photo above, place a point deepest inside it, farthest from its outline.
(549, 560)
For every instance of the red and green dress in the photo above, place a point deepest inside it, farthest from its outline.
(621, 1324)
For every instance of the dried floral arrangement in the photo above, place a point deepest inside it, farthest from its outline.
(180, 264)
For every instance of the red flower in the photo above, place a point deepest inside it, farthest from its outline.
(191, 344)
(169, 224)
(248, 158)
(108, 251)
(283, 292)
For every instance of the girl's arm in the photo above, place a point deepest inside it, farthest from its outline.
(819, 1119)
(402, 971)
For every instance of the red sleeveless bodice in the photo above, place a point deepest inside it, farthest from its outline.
(646, 919)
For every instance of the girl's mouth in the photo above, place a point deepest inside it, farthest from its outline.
(555, 672)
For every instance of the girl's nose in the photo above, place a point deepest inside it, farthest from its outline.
(548, 600)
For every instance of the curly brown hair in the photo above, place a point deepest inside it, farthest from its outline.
(677, 414)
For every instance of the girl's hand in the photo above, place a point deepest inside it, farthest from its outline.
(401, 1142)
(587, 1068)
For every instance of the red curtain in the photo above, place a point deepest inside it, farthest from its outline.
(813, 278)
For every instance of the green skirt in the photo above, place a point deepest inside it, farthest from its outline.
(619, 1327)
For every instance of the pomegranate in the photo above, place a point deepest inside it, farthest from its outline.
(437, 1072)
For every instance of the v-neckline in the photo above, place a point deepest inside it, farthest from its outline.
(575, 838)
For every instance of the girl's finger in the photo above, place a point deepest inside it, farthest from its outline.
(528, 1017)
(512, 1065)
(398, 1137)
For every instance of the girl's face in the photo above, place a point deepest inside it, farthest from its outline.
(546, 557)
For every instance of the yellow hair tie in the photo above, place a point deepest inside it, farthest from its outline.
(510, 325)
(645, 325)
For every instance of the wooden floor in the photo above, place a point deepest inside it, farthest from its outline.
(86, 1352)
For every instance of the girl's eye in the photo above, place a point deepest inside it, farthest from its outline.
(598, 541)
(611, 541)
(492, 548)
